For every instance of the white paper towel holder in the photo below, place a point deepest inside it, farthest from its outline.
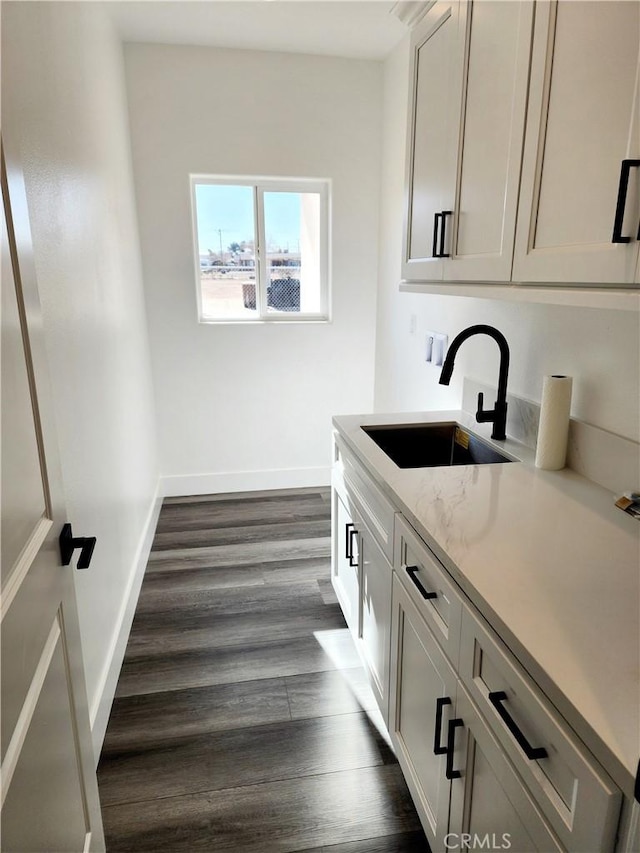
(553, 427)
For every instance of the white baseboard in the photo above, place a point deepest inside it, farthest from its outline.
(177, 485)
(101, 707)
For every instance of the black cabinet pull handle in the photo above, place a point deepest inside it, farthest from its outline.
(625, 170)
(347, 541)
(532, 752)
(437, 748)
(450, 773)
(352, 560)
(68, 545)
(434, 247)
(411, 571)
(443, 230)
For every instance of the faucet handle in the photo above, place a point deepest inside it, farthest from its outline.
(484, 415)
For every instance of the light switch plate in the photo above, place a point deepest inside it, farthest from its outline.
(436, 348)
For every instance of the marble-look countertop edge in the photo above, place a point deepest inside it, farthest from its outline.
(379, 467)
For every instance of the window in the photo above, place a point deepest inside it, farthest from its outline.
(261, 248)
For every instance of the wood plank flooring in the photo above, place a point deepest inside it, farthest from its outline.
(243, 720)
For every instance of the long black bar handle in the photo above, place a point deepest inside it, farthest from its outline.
(438, 749)
(411, 571)
(532, 752)
(434, 246)
(621, 204)
(450, 773)
(443, 231)
(352, 559)
(347, 541)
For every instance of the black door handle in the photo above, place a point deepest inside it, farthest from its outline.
(443, 230)
(437, 748)
(621, 204)
(450, 773)
(532, 752)
(347, 541)
(434, 245)
(411, 571)
(441, 220)
(352, 560)
(68, 545)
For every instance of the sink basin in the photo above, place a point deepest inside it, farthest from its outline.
(432, 445)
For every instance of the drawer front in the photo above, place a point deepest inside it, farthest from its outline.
(377, 512)
(422, 575)
(577, 797)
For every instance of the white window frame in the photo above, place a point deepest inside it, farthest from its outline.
(320, 186)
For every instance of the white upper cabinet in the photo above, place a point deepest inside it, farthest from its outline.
(582, 123)
(469, 72)
(523, 151)
(436, 61)
(498, 46)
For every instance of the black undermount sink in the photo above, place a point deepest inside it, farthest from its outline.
(432, 445)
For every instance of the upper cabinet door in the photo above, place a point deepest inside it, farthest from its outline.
(581, 124)
(437, 49)
(496, 74)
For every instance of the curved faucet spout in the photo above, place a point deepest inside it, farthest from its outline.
(497, 415)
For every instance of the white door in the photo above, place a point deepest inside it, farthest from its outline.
(436, 72)
(421, 704)
(345, 570)
(48, 782)
(494, 105)
(375, 634)
(582, 122)
(488, 798)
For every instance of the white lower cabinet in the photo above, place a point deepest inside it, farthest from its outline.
(345, 572)
(491, 808)
(361, 571)
(421, 697)
(375, 618)
(579, 800)
(489, 761)
(463, 786)
(487, 758)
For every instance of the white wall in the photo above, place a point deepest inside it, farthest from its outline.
(250, 406)
(64, 108)
(600, 349)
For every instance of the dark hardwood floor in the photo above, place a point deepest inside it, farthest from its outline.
(243, 720)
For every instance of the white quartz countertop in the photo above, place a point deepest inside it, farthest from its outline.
(548, 560)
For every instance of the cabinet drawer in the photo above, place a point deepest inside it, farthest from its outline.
(429, 588)
(578, 798)
(376, 511)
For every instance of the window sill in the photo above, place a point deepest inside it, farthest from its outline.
(281, 321)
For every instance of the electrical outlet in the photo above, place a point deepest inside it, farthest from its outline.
(436, 348)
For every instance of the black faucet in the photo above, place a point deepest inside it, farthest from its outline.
(497, 415)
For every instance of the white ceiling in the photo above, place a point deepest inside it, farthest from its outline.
(360, 29)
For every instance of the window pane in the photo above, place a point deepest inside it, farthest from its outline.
(292, 233)
(226, 248)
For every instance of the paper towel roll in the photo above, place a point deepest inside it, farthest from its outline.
(553, 428)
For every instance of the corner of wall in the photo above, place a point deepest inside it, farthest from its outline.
(100, 709)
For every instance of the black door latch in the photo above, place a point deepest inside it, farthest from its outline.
(68, 545)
